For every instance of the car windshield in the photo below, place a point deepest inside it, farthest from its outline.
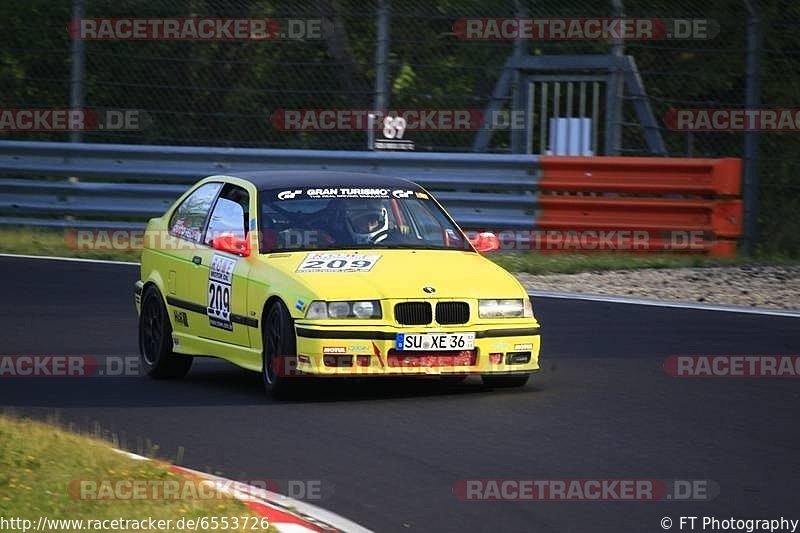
(355, 218)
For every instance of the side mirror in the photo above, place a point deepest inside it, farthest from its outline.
(228, 242)
(485, 241)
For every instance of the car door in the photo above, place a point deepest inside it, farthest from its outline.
(181, 247)
(223, 276)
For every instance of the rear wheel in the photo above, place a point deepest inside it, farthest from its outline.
(280, 350)
(505, 382)
(155, 339)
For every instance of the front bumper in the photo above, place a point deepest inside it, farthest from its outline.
(359, 351)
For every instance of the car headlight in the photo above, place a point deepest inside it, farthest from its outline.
(349, 309)
(516, 308)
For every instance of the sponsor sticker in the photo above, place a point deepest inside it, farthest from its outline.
(334, 349)
(355, 348)
(349, 192)
(181, 318)
(399, 193)
(333, 262)
(288, 195)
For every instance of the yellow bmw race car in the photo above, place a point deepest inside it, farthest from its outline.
(327, 274)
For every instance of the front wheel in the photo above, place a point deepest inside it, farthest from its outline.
(280, 350)
(155, 339)
(505, 382)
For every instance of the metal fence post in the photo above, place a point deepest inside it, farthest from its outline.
(383, 15)
(751, 138)
(517, 90)
(77, 68)
(616, 91)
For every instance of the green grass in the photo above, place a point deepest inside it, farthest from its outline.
(29, 241)
(58, 243)
(40, 464)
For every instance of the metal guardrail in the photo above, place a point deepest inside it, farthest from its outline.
(666, 198)
(548, 197)
(139, 182)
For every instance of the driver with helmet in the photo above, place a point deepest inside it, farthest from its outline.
(366, 220)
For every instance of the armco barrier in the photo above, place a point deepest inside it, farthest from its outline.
(544, 198)
(642, 175)
(666, 198)
(480, 190)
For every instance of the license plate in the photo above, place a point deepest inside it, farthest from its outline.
(435, 341)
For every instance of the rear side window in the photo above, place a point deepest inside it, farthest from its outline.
(189, 218)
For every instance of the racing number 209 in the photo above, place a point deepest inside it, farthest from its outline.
(333, 262)
(219, 297)
(336, 264)
(220, 279)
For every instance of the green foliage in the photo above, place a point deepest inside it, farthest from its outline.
(231, 93)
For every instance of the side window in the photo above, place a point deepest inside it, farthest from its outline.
(426, 224)
(189, 218)
(432, 226)
(230, 214)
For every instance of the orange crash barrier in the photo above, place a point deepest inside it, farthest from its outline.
(687, 205)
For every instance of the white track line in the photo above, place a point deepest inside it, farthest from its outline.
(244, 492)
(72, 259)
(540, 294)
(663, 303)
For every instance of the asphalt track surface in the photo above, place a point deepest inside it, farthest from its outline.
(388, 453)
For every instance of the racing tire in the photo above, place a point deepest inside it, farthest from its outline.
(505, 382)
(280, 348)
(155, 339)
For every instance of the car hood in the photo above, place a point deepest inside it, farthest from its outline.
(400, 274)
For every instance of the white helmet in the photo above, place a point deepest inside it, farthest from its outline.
(366, 220)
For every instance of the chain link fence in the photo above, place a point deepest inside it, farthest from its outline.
(236, 93)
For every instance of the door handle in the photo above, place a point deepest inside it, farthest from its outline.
(197, 260)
